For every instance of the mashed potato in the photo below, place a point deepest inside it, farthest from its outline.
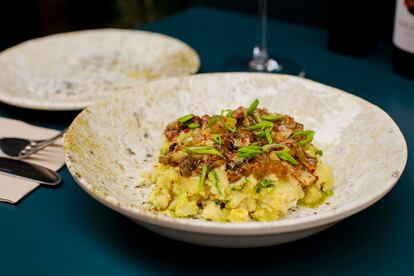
(244, 200)
(246, 164)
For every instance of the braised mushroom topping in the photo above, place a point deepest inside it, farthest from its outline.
(250, 141)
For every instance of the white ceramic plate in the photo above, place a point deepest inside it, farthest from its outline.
(111, 143)
(70, 71)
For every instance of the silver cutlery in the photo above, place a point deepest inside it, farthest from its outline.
(18, 148)
(29, 171)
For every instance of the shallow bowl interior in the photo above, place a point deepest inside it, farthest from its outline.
(111, 143)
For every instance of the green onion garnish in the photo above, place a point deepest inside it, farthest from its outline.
(216, 181)
(287, 157)
(268, 135)
(308, 134)
(217, 139)
(262, 124)
(253, 151)
(252, 107)
(237, 188)
(185, 118)
(254, 148)
(194, 125)
(260, 133)
(282, 153)
(230, 123)
(203, 175)
(249, 151)
(203, 150)
(265, 183)
(319, 152)
(282, 148)
(240, 187)
(273, 118)
(229, 112)
(255, 143)
(212, 121)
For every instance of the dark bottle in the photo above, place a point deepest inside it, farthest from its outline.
(352, 27)
(403, 38)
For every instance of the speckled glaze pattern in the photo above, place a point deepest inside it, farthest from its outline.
(111, 144)
(70, 71)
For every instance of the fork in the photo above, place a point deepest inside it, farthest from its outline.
(18, 148)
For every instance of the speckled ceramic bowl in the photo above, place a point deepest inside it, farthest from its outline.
(70, 71)
(110, 144)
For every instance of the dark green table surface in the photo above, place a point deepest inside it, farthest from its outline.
(63, 231)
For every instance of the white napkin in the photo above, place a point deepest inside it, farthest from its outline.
(13, 189)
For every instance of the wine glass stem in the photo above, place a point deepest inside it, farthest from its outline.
(263, 25)
(261, 61)
(260, 53)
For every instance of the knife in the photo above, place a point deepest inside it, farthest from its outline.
(29, 171)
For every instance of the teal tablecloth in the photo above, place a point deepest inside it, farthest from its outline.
(63, 231)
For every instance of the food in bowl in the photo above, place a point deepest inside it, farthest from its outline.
(247, 164)
(111, 144)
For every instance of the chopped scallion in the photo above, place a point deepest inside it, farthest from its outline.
(253, 147)
(249, 151)
(203, 175)
(217, 139)
(212, 121)
(287, 157)
(308, 134)
(319, 152)
(230, 123)
(280, 147)
(203, 150)
(229, 113)
(252, 107)
(273, 118)
(255, 143)
(185, 118)
(265, 183)
(262, 124)
(268, 135)
(260, 133)
(194, 125)
(216, 181)
(240, 186)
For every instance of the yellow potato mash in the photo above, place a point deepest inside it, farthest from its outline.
(243, 165)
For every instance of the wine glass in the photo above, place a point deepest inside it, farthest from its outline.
(261, 61)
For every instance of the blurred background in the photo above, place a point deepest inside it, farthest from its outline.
(24, 19)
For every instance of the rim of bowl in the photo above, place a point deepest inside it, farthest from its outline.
(283, 225)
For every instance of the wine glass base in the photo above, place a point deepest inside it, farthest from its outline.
(279, 65)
